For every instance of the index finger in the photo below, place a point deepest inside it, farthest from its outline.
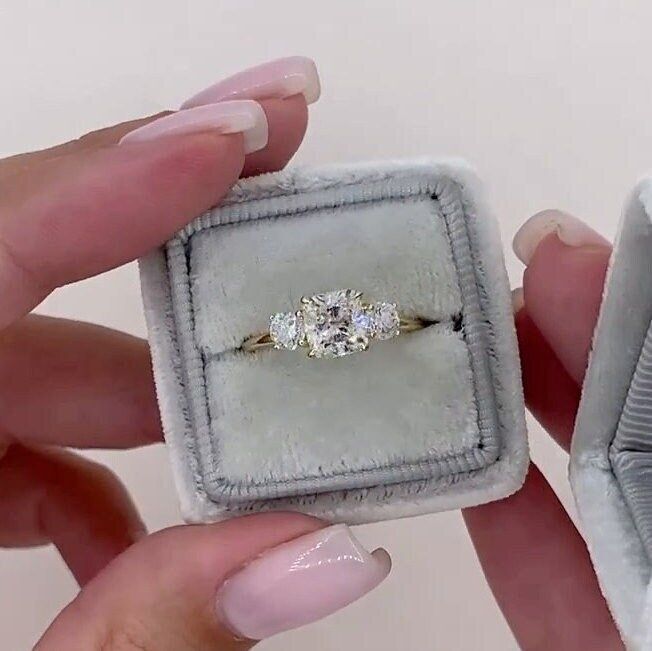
(83, 213)
(534, 558)
(563, 285)
(97, 416)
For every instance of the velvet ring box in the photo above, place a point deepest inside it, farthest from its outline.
(611, 453)
(427, 421)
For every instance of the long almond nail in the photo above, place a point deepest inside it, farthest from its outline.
(570, 230)
(240, 116)
(273, 80)
(300, 582)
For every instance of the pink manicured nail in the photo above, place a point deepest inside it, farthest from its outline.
(273, 80)
(300, 582)
(570, 230)
(240, 116)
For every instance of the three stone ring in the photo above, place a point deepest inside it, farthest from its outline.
(333, 324)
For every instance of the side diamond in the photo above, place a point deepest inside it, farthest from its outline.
(387, 320)
(286, 330)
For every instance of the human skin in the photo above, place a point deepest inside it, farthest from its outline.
(71, 212)
(81, 208)
(534, 558)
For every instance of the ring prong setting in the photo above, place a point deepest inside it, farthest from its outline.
(332, 324)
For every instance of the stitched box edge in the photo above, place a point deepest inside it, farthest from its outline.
(498, 480)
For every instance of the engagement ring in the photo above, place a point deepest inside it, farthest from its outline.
(333, 324)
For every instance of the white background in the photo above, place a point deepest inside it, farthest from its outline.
(549, 100)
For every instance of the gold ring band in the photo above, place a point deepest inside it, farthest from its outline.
(264, 339)
(333, 324)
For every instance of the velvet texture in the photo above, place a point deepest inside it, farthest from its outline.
(431, 420)
(611, 445)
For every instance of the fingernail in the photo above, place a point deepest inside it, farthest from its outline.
(518, 300)
(240, 116)
(570, 230)
(273, 80)
(300, 582)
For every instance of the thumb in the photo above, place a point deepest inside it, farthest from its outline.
(219, 586)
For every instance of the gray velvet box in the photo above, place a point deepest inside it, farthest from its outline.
(611, 454)
(428, 421)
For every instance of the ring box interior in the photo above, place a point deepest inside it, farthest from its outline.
(427, 421)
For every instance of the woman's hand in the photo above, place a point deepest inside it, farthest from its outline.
(533, 556)
(77, 210)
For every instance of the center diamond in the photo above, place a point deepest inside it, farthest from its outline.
(335, 323)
